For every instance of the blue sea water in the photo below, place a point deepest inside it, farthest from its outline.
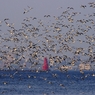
(47, 83)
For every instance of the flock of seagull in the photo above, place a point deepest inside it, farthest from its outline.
(59, 38)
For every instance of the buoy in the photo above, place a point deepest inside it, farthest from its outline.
(45, 65)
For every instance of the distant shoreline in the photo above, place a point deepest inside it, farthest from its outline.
(51, 71)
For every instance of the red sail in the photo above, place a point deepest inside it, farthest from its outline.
(45, 65)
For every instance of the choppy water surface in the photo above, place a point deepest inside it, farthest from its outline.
(47, 83)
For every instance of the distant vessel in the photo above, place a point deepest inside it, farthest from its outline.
(84, 66)
(45, 65)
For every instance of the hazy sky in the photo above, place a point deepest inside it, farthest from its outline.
(13, 9)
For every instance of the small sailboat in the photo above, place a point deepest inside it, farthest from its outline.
(45, 65)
